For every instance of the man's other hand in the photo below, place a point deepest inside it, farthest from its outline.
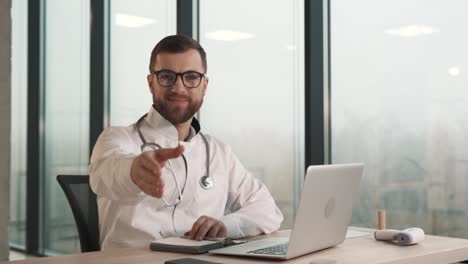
(146, 169)
(207, 226)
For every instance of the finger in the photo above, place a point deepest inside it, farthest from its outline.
(152, 160)
(142, 182)
(222, 232)
(203, 230)
(154, 177)
(149, 184)
(149, 190)
(149, 177)
(150, 164)
(162, 155)
(159, 191)
(196, 226)
(151, 172)
(155, 191)
(213, 232)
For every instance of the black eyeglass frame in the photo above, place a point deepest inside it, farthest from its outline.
(177, 74)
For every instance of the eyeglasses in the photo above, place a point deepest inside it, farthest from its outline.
(167, 78)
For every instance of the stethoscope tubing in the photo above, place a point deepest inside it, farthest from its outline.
(206, 182)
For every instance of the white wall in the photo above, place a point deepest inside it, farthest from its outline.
(5, 106)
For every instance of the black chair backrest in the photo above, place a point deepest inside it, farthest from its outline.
(83, 203)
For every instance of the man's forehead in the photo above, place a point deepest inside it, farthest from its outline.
(190, 58)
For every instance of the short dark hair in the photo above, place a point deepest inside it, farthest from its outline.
(177, 44)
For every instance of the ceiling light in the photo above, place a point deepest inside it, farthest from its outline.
(291, 47)
(129, 21)
(412, 31)
(454, 71)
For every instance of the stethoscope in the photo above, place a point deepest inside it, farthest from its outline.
(206, 182)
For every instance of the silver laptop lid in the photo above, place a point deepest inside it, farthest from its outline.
(325, 208)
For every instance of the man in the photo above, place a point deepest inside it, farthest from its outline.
(162, 177)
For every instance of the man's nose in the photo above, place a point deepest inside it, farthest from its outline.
(179, 84)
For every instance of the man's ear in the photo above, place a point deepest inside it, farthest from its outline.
(205, 86)
(149, 78)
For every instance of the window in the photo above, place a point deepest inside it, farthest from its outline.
(255, 94)
(134, 31)
(66, 117)
(399, 76)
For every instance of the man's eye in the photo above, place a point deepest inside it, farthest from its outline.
(166, 76)
(191, 76)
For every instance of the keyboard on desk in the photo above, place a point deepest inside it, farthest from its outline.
(276, 250)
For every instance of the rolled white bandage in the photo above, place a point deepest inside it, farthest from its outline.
(386, 234)
(405, 237)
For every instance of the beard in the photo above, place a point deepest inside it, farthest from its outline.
(176, 114)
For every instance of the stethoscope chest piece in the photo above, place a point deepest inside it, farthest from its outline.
(206, 182)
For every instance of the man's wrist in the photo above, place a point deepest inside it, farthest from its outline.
(231, 222)
(126, 168)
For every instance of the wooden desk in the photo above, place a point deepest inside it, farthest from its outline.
(433, 249)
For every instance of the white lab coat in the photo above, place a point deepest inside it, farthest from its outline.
(128, 217)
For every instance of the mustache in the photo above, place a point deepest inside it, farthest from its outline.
(178, 96)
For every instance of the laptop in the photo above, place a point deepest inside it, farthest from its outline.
(322, 218)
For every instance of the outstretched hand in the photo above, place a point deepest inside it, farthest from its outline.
(146, 169)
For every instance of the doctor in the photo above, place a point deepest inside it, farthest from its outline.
(163, 177)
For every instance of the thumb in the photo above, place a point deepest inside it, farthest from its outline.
(163, 155)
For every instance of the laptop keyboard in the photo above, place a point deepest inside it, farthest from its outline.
(277, 250)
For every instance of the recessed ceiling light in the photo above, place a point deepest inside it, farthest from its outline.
(412, 30)
(129, 21)
(291, 47)
(454, 71)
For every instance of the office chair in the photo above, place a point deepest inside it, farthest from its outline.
(83, 203)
